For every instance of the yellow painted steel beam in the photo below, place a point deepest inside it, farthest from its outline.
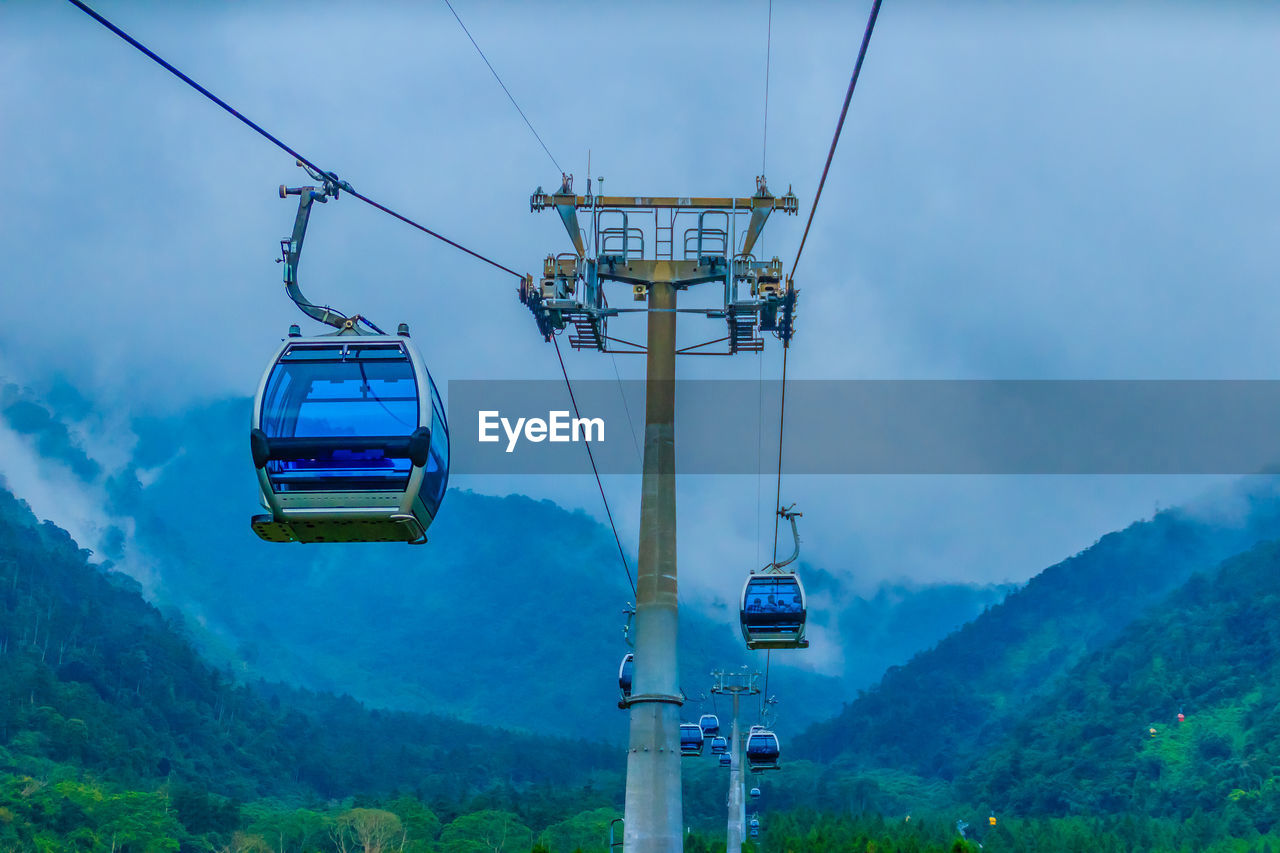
(627, 202)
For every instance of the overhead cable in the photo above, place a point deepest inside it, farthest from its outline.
(768, 52)
(274, 140)
(844, 110)
(625, 566)
(504, 86)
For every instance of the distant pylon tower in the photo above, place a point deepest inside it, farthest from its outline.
(736, 684)
(571, 293)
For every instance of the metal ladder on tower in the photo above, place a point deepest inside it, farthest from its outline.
(587, 332)
(664, 237)
(742, 329)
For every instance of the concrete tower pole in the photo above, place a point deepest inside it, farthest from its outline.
(737, 808)
(569, 293)
(654, 814)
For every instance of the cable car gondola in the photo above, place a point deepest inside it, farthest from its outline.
(762, 749)
(710, 725)
(755, 822)
(773, 607)
(726, 760)
(755, 832)
(626, 671)
(719, 745)
(350, 441)
(690, 739)
(755, 793)
(349, 435)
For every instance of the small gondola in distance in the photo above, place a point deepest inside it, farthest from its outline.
(626, 673)
(690, 739)
(763, 750)
(350, 441)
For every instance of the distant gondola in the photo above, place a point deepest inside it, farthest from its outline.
(690, 739)
(755, 822)
(755, 793)
(626, 672)
(726, 760)
(719, 745)
(350, 441)
(710, 725)
(755, 832)
(762, 749)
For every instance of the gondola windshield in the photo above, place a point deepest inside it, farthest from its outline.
(348, 395)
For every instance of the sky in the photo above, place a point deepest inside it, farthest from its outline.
(1058, 190)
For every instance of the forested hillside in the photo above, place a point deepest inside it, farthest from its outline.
(1108, 739)
(93, 679)
(938, 713)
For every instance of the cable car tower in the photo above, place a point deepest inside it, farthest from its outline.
(736, 684)
(621, 247)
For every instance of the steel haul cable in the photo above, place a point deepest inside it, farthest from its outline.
(835, 139)
(594, 469)
(82, 6)
(504, 86)
(844, 111)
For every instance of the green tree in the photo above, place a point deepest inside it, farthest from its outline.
(488, 831)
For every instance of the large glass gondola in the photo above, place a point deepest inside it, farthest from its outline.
(350, 441)
(773, 610)
(762, 749)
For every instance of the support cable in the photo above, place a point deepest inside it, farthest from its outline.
(84, 7)
(782, 421)
(835, 139)
(504, 86)
(768, 50)
(625, 566)
(635, 442)
(848, 96)
(764, 695)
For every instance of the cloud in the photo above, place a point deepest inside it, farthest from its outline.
(1022, 191)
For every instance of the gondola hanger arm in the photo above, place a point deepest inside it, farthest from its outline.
(291, 248)
(791, 515)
